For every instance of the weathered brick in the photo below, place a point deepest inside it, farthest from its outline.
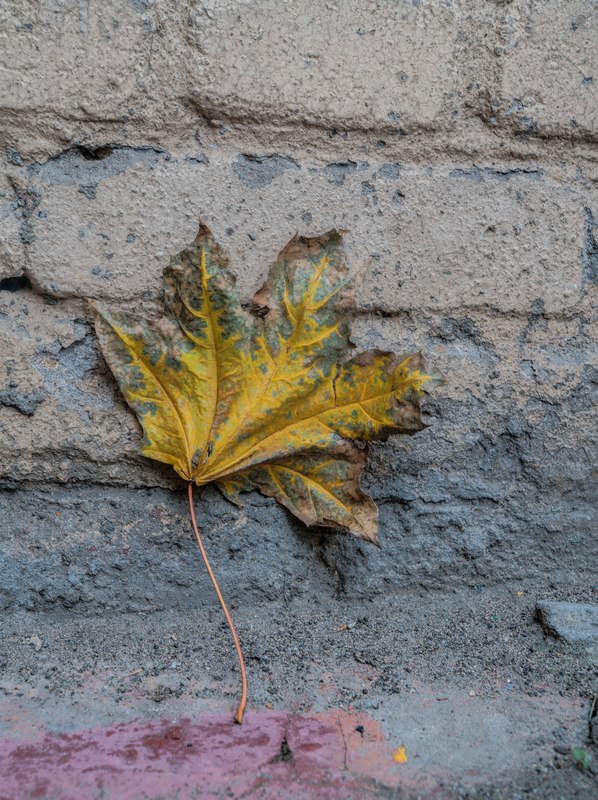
(74, 66)
(354, 64)
(549, 82)
(507, 238)
(441, 238)
(13, 228)
(71, 60)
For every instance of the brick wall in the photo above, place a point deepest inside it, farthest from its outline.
(457, 144)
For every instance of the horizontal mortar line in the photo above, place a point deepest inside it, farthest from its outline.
(51, 486)
(154, 307)
(444, 143)
(505, 166)
(217, 117)
(406, 158)
(27, 487)
(489, 310)
(575, 312)
(434, 151)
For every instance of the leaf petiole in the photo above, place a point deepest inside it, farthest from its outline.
(243, 701)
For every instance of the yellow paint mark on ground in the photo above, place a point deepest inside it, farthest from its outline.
(400, 755)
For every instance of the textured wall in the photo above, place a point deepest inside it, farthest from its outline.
(457, 144)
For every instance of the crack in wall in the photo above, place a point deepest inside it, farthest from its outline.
(589, 258)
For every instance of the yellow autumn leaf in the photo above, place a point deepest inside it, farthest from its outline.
(264, 400)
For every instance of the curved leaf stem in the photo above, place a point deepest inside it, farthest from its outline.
(243, 702)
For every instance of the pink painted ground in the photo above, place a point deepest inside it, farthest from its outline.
(329, 756)
(449, 737)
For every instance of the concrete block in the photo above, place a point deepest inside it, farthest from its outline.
(73, 66)
(436, 238)
(549, 83)
(356, 65)
(476, 236)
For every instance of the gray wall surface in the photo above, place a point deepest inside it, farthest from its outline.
(456, 142)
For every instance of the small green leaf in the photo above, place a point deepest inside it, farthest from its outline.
(581, 757)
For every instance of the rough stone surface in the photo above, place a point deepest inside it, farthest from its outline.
(14, 217)
(549, 84)
(573, 622)
(367, 55)
(73, 64)
(456, 143)
(138, 553)
(439, 238)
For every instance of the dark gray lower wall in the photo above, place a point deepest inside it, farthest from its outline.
(97, 549)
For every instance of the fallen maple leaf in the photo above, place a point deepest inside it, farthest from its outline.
(264, 400)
